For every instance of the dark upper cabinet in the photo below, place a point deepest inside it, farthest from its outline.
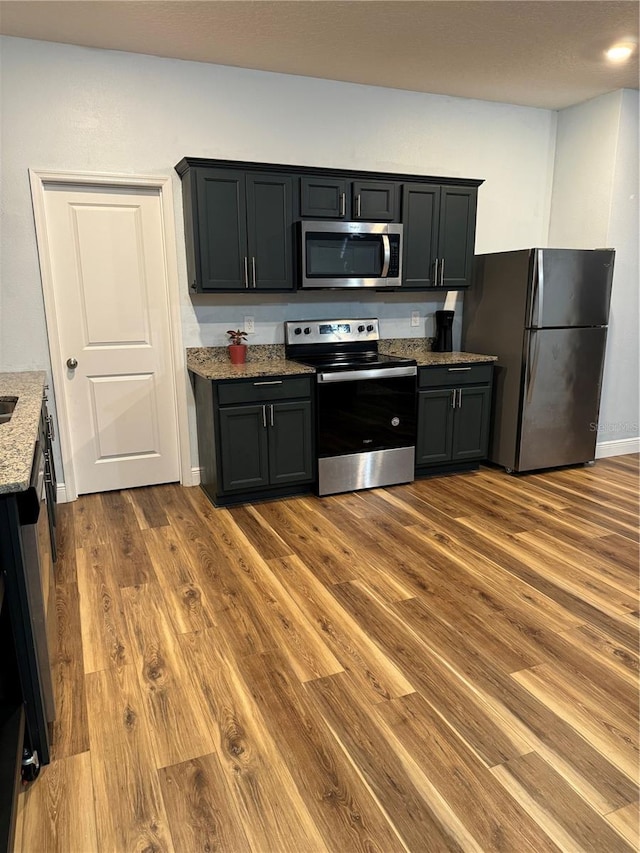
(239, 230)
(336, 198)
(376, 201)
(456, 238)
(439, 235)
(241, 221)
(323, 198)
(420, 216)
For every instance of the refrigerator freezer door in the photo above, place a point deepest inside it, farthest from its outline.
(561, 397)
(570, 287)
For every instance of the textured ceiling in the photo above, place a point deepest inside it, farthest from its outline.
(542, 54)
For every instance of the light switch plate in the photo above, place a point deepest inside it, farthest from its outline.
(249, 325)
(415, 318)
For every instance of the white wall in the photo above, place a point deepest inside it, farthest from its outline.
(595, 203)
(66, 107)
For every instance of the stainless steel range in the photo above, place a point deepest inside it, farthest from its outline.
(366, 422)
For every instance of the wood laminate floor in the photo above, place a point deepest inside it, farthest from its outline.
(446, 665)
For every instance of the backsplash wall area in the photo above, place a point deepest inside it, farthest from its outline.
(213, 315)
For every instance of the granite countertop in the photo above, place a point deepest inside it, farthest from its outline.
(262, 360)
(270, 360)
(18, 436)
(418, 348)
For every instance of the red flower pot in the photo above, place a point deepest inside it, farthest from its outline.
(238, 353)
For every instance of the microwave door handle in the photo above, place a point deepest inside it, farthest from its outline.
(386, 258)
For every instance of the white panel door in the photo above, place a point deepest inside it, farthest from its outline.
(107, 261)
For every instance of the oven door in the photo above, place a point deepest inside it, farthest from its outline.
(365, 410)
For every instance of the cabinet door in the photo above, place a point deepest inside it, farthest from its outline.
(471, 423)
(243, 447)
(457, 234)
(269, 229)
(290, 442)
(435, 418)
(221, 230)
(323, 198)
(420, 211)
(375, 200)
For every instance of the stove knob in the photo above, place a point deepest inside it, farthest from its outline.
(307, 331)
(298, 331)
(361, 328)
(370, 328)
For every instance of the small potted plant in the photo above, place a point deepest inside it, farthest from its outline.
(237, 347)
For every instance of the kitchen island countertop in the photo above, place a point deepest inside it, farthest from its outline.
(18, 436)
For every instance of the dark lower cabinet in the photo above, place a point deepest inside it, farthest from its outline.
(454, 410)
(255, 437)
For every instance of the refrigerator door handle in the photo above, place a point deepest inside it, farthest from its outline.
(532, 364)
(537, 298)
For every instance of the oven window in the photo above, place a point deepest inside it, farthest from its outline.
(368, 414)
(343, 256)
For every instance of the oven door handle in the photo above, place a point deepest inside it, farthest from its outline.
(361, 375)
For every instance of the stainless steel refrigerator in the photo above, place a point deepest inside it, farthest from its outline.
(544, 313)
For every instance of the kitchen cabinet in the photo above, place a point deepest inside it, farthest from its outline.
(439, 236)
(242, 221)
(454, 410)
(238, 230)
(337, 198)
(255, 437)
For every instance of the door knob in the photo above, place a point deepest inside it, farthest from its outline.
(72, 363)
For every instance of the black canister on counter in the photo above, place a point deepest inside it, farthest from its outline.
(444, 331)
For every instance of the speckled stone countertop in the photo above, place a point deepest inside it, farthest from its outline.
(262, 360)
(18, 436)
(269, 359)
(418, 348)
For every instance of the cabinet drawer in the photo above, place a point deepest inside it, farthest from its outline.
(455, 374)
(263, 388)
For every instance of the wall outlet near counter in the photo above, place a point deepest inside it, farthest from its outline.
(415, 318)
(249, 325)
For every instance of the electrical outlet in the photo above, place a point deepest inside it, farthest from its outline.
(415, 318)
(249, 325)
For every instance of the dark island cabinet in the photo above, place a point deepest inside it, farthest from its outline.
(255, 437)
(439, 236)
(454, 410)
(238, 230)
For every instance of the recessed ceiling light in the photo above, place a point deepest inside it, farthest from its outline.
(620, 52)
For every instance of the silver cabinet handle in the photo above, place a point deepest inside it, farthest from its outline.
(264, 417)
(246, 272)
(459, 398)
(386, 259)
(271, 407)
(441, 272)
(343, 204)
(270, 382)
(435, 278)
(51, 430)
(72, 363)
(358, 205)
(453, 397)
(253, 268)
(458, 369)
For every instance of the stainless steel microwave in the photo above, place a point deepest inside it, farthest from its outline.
(351, 254)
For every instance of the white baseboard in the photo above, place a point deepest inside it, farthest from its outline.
(196, 473)
(61, 493)
(618, 447)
